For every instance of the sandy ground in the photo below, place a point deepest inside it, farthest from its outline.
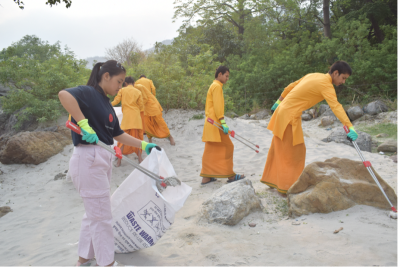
(44, 226)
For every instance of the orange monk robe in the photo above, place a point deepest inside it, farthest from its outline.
(132, 103)
(217, 159)
(155, 125)
(288, 149)
(148, 84)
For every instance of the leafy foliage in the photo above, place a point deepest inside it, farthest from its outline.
(36, 71)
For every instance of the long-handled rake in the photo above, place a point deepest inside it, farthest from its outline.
(234, 135)
(161, 182)
(368, 165)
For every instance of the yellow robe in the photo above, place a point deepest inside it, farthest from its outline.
(132, 103)
(305, 93)
(214, 110)
(217, 161)
(154, 123)
(151, 105)
(148, 84)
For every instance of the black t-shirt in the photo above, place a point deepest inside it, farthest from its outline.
(101, 116)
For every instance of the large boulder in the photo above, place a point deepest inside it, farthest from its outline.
(337, 184)
(322, 109)
(33, 147)
(338, 135)
(231, 203)
(355, 113)
(388, 146)
(375, 107)
(262, 115)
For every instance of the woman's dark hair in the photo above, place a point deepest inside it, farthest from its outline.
(129, 79)
(341, 67)
(110, 66)
(221, 69)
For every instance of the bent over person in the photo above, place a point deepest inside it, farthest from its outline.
(132, 124)
(217, 159)
(287, 154)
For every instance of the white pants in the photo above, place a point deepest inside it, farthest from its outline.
(90, 167)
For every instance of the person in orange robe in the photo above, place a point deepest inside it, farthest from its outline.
(217, 161)
(132, 104)
(147, 83)
(154, 123)
(287, 154)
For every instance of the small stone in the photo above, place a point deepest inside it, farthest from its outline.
(59, 176)
(306, 117)
(295, 223)
(388, 146)
(382, 153)
(326, 121)
(394, 158)
(252, 224)
(381, 135)
(253, 117)
(4, 210)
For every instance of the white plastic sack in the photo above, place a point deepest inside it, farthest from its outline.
(141, 214)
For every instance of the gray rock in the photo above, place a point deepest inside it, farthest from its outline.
(311, 112)
(4, 210)
(59, 176)
(355, 113)
(245, 117)
(262, 115)
(326, 121)
(375, 107)
(388, 146)
(306, 117)
(252, 116)
(329, 113)
(394, 158)
(364, 140)
(322, 109)
(231, 203)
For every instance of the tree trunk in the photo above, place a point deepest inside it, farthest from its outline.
(327, 23)
(377, 30)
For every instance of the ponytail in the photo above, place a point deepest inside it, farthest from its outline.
(110, 66)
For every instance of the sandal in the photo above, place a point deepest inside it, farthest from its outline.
(211, 180)
(237, 178)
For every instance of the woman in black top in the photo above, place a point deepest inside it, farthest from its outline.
(90, 165)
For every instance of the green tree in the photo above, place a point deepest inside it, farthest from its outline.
(68, 3)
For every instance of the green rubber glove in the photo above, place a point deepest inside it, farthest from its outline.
(225, 127)
(352, 135)
(89, 135)
(149, 146)
(275, 105)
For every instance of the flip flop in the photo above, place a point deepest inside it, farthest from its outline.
(211, 180)
(237, 178)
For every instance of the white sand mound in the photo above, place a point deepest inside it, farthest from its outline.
(43, 228)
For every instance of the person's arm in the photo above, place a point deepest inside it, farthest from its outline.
(218, 102)
(117, 98)
(153, 88)
(128, 140)
(330, 96)
(71, 105)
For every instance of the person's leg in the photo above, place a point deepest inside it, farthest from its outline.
(85, 246)
(171, 140)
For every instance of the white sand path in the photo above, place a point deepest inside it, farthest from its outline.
(44, 227)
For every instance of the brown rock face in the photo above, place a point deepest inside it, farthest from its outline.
(337, 184)
(33, 147)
